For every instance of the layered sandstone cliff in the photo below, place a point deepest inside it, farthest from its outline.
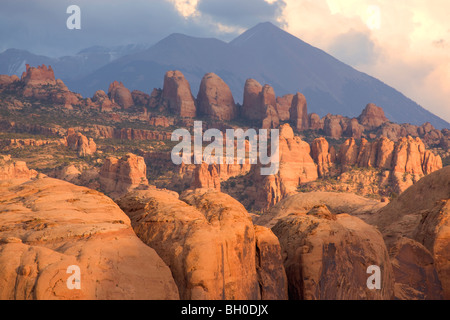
(210, 244)
(177, 95)
(80, 143)
(50, 228)
(119, 94)
(119, 176)
(422, 213)
(214, 98)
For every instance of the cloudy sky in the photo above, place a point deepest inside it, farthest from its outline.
(405, 43)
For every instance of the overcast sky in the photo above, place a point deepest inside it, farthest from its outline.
(406, 44)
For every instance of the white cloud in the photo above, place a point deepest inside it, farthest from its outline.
(411, 40)
(223, 28)
(373, 18)
(226, 18)
(186, 8)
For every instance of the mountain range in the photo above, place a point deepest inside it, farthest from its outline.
(265, 53)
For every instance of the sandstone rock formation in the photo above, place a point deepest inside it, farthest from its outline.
(80, 175)
(51, 225)
(215, 99)
(392, 131)
(69, 173)
(120, 95)
(299, 112)
(119, 176)
(326, 256)
(372, 117)
(407, 160)
(324, 156)
(337, 126)
(364, 182)
(414, 272)
(348, 154)
(271, 119)
(140, 98)
(295, 158)
(209, 243)
(267, 107)
(10, 169)
(34, 128)
(210, 176)
(80, 143)
(433, 231)
(376, 154)
(155, 98)
(177, 96)
(161, 121)
(269, 265)
(337, 203)
(354, 129)
(260, 104)
(295, 166)
(108, 132)
(373, 124)
(332, 126)
(410, 156)
(315, 123)
(428, 134)
(140, 134)
(250, 106)
(226, 171)
(38, 76)
(40, 84)
(380, 167)
(384, 153)
(206, 177)
(283, 106)
(101, 99)
(6, 79)
(421, 213)
(445, 140)
(20, 143)
(393, 167)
